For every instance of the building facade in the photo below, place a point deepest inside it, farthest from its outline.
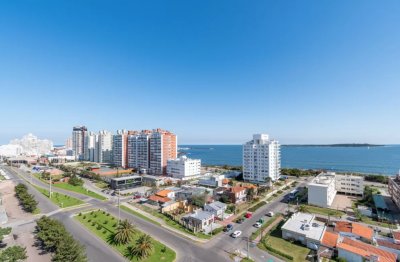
(120, 148)
(163, 146)
(349, 184)
(104, 147)
(183, 167)
(394, 189)
(78, 141)
(261, 159)
(139, 150)
(90, 147)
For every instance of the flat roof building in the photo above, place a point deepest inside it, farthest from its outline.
(122, 183)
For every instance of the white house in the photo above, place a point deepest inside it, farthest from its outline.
(217, 208)
(304, 228)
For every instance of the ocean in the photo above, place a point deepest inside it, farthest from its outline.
(373, 160)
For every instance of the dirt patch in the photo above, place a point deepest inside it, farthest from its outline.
(343, 202)
(11, 203)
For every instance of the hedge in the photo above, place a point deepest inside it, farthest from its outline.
(257, 206)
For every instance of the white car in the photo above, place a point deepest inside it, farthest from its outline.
(270, 214)
(236, 234)
(257, 225)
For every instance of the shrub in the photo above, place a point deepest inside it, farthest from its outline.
(80, 214)
(105, 222)
(104, 231)
(115, 224)
(98, 227)
(84, 216)
(108, 214)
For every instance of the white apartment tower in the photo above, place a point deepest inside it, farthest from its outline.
(78, 141)
(183, 168)
(90, 147)
(163, 146)
(139, 150)
(261, 159)
(120, 148)
(104, 147)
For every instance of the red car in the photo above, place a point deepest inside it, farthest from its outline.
(248, 215)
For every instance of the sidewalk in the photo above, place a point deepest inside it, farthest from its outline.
(163, 224)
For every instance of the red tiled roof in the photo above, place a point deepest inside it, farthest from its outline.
(366, 250)
(357, 229)
(388, 244)
(159, 199)
(163, 193)
(330, 239)
(396, 235)
(237, 189)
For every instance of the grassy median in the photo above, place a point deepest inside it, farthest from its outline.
(104, 226)
(79, 189)
(59, 199)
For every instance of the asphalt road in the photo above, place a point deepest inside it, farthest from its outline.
(216, 249)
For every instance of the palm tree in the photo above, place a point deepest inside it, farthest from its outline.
(142, 248)
(124, 233)
(302, 208)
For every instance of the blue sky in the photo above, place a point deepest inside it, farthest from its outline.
(210, 71)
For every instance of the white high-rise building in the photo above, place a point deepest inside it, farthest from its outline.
(261, 159)
(104, 147)
(183, 167)
(90, 147)
(78, 141)
(139, 150)
(120, 149)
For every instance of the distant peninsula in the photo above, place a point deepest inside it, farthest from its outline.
(338, 145)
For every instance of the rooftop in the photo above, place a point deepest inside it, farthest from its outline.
(164, 193)
(323, 179)
(201, 215)
(217, 205)
(125, 178)
(330, 239)
(366, 250)
(303, 223)
(237, 189)
(354, 228)
(159, 199)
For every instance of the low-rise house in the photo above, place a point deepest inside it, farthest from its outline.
(199, 220)
(166, 193)
(304, 228)
(356, 251)
(217, 208)
(188, 192)
(212, 181)
(354, 230)
(157, 200)
(172, 206)
(236, 194)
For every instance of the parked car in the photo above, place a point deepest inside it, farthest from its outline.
(270, 214)
(257, 225)
(236, 234)
(240, 220)
(248, 215)
(228, 228)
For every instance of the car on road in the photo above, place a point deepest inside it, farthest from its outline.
(236, 234)
(270, 214)
(248, 215)
(257, 225)
(228, 228)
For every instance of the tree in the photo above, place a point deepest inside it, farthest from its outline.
(4, 232)
(13, 254)
(302, 208)
(75, 181)
(142, 248)
(125, 232)
(69, 250)
(251, 194)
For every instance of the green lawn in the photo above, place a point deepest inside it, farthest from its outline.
(370, 221)
(102, 185)
(104, 225)
(275, 241)
(59, 199)
(323, 211)
(80, 190)
(256, 233)
(133, 212)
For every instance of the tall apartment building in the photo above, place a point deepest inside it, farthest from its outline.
(183, 168)
(394, 189)
(120, 148)
(261, 159)
(324, 187)
(163, 146)
(78, 141)
(104, 147)
(139, 150)
(68, 143)
(90, 147)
